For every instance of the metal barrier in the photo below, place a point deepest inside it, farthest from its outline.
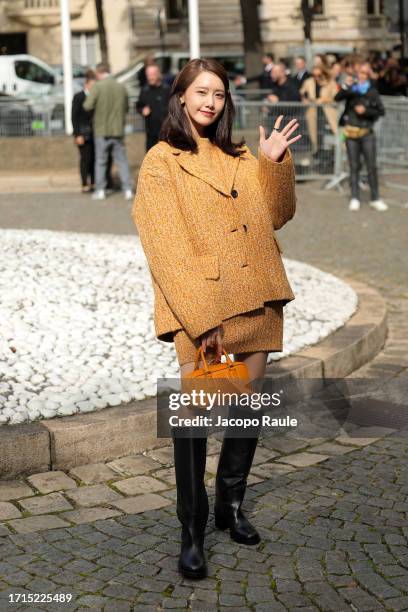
(315, 154)
(319, 154)
(20, 118)
(392, 134)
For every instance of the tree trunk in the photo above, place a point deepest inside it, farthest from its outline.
(307, 13)
(252, 37)
(103, 44)
(403, 32)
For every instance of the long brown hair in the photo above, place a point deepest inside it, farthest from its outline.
(176, 128)
(325, 72)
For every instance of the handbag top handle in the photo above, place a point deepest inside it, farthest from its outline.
(200, 351)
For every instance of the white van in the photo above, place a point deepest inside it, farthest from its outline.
(25, 74)
(171, 62)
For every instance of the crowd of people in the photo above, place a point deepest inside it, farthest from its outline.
(388, 74)
(99, 113)
(356, 80)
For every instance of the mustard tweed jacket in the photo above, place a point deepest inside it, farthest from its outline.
(207, 231)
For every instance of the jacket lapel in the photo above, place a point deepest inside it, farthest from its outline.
(235, 216)
(222, 181)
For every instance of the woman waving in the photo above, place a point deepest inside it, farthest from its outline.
(206, 210)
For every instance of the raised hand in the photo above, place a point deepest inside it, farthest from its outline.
(278, 141)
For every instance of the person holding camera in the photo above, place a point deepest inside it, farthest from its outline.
(363, 108)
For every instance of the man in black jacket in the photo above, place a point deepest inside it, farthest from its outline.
(301, 72)
(363, 108)
(284, 88)
(153, 104)
(83, 133)
(264, 78)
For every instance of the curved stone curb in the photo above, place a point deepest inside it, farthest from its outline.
(346, 349)
(66, 442)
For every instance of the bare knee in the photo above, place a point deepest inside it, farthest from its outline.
(255, 362)
(186, 368)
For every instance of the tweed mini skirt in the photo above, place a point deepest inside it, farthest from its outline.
(256, 330)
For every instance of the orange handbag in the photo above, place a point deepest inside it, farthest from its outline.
(230, 369)
(231, 376)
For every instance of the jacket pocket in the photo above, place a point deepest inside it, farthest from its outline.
(278, 244)
(208, 265)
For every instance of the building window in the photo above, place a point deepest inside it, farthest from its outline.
(84, 48)
(318, 7)
(176, 9)
(375, 7)
(12, 44)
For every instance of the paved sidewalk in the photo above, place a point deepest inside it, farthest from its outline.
(39, 181)
(139, 483)
(333, 520)
(332, 515)
(334, 534)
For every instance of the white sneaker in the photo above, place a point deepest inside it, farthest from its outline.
(354, 204)
(129, 194)
(378, 205)
(99, 195)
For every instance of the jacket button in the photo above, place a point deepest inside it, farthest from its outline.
(234, 193)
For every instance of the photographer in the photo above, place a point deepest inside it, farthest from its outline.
(363, 108)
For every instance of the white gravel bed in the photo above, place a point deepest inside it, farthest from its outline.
(76, 325)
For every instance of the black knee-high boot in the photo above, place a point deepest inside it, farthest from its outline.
(192, 503)
(234, 464)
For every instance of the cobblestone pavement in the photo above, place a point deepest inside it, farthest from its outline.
(334, 537)
(332, 514)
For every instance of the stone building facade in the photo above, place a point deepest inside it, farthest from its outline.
(33, 26)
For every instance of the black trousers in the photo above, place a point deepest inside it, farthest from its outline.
(87, 162)
(365, 146)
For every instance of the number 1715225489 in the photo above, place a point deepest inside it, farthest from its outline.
(39, 597)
